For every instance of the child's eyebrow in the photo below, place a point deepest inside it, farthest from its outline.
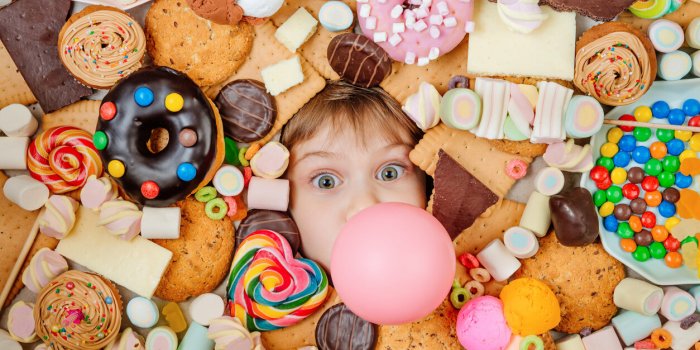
(318, 154)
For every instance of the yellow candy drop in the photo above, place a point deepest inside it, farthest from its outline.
(606, 209)
(694, 143)
(642, 114)
(609, 150)
(618, 176)
(116, 168)
(174, 317)
(683, 135)
(671, 223)
(174, 102)
(614, 135)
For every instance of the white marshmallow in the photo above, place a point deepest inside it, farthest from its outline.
(269, 194)
(26, 192)
(160, 223)
(17, 120)
(260, 9)
(498, 261)
(206, 307)
(14, 153)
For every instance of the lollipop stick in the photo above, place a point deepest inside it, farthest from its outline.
(652, 125)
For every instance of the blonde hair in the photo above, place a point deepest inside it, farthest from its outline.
(364, 110)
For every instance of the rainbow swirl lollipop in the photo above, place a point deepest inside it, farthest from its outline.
(268, 288)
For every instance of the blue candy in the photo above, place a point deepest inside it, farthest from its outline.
(683, 181)
(143, 96)
(667, 209)
(610, 223)
(675, 147)
(627, 143)
(622, 159)
(660, 109)
(641, 154)
(691, 107)
(676, 117)
(186, 171)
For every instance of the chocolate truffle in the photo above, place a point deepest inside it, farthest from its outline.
(574, 217)
(358, 60)
(340, 329)
(272, 220)
(247, 110)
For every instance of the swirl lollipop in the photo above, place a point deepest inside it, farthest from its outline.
(62, 158)
(268, 289)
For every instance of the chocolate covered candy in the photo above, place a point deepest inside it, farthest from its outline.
(358, 60)
(247, 110)
(574, 217)
(272, 220)
(339, 328)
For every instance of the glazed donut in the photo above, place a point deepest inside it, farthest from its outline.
(63, 158)
(416, 31)
(147, 101)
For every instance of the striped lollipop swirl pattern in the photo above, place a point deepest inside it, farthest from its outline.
(268, 288)
(62, 158)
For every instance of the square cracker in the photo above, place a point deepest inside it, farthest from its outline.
(13, 88)
(267, 51)
(82, 114)
(314, 50)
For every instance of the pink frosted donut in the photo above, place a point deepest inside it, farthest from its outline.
(416, 31)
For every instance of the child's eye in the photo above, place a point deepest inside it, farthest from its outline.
(325, 181)
(390, 172)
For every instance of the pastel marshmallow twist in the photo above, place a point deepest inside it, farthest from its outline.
(97, 191)
(268, 288)
(569, 157)
(121, 218)
(63, 158)
(423, 107)
(45, 265)
(228, 333)
(583, 117)
(460, 109)
(58, 219)
(522, 16)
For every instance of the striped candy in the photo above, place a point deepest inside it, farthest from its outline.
(62, 158)
(268, 288)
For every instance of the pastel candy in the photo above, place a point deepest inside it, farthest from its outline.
(44, 266)
(205, 308)
(604, 338)
(174, 317)
(160, 223)
(696, 63)
(20, 322)
(638, 296)
(692, 33)
(28, 193)
(632, 326)
(335, 16)
(677, 304)
(570, 342)
(423, 107)
(268, 194)
(495, 95)
(228, 333)
(142, 312)
(549, 181)
(16, 120)
(14, 153)
(683, 339)
(228, 181)
(667, 36)
(569, 156)
(161, 338)
(121, 218)
(674, 65)
(537, 216)
(481, 324)
(521, 242)
(498, 261)
(460, 109)
(512, 132)
(520, 109)
(196, 338)
(97, 191)
(59, 217)
(270, 161)
(584, 117)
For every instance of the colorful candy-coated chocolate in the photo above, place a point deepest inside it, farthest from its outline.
(174, 102)
(606, 163)
(622, 159)
(653, 167)
(624, 230)
(614, 134)
(641, 254)
(675, 147)
(599, 197)
(584, 117)
(642, 134)
(461, 109)
(150, 189)
(657, 250)
(143, 96)
(672, 244)
(627, 143)
(186, 171)
(660, 109)
(610, 223)
(630, 118)
(665, 35)
(606, 209)
(610, 149)
(108, 110)
(618, 176)
(642, 114)
(641, 154)
(658, 150)
(614, 194)
(630, 191)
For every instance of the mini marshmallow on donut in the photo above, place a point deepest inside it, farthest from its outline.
(418, 33)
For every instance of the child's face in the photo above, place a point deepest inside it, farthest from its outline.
(333, 177)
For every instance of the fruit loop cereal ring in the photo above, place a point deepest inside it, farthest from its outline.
(216, 209)
(644, 344)
(532, 340)
(475, 288)
(459, 295)
(480, 275)
(661, 338)
(268, 288)
(469, 261)
(516, 169)
(205, 194)
(63, 158)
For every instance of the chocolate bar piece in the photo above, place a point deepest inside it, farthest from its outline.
(29, 29)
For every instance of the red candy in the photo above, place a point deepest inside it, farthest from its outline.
(645, 344)
(247, 174)
(599, 173)
(150, 189)
(108, 110)
(629, 118)
(605, 184)
(648, 219)
(70, 285)
(694, 121)
(630, 191)
(469, 261)
(672, 244)
(650, 183)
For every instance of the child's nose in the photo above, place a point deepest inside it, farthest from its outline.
(361, 200)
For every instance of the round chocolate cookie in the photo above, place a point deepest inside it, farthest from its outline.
(159, 99)
(247, 110)
(340, 329)
(358, 60)
(272, 220)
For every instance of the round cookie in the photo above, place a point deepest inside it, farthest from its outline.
(247, 110)
(201, 256)
(272, 220)
(208, 52)
(568, 271)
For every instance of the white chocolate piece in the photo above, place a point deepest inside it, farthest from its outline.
(205, 308)
(537, 217)
(335, 16)
(498, 261)
(683, 339)
(137, 264)
(570, 342)
(142, 312)
(677, 304)
(495, 97)
(674, 65)
(282, 75)
(269, 194)
(16, 120)
(260, 9)
(297, 29)
(28, 193)
(270, 161)
(632, 326)
(521, 242)
(638, 296)
(7, 343)
(549, 181)
(160, 223)
(692, 33)
(604, 338)
(14, 153)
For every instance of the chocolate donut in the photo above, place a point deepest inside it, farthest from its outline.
(148, 100)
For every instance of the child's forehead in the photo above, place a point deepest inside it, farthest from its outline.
(363, 138)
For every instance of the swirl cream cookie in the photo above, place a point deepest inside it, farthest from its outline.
(100, 45)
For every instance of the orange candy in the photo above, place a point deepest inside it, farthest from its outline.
(628, 245)
(673, 259)
(653, 198)
(688, 206)
(690, 166)
(659, 233)
(635, 223)
(658, 150)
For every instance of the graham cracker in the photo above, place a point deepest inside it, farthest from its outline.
(17, 232)
(82, 114)
(13, 88)
(314, 50)
(267, 51)
(683, 16)
(405, 78)
(41, 241)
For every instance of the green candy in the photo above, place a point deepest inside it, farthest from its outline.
(653, 167)
(459, 295)
(599, 198)
(221, 208)
(689, 239)
(614, 194)
(606, 163)
(241, 156)
(657, 249)
(231, 156)
(671, 164)
(641, 254)
(100, 140)
(665, 135)
(624, 230)
(666, 179)
(205, 194)
(641, 133)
